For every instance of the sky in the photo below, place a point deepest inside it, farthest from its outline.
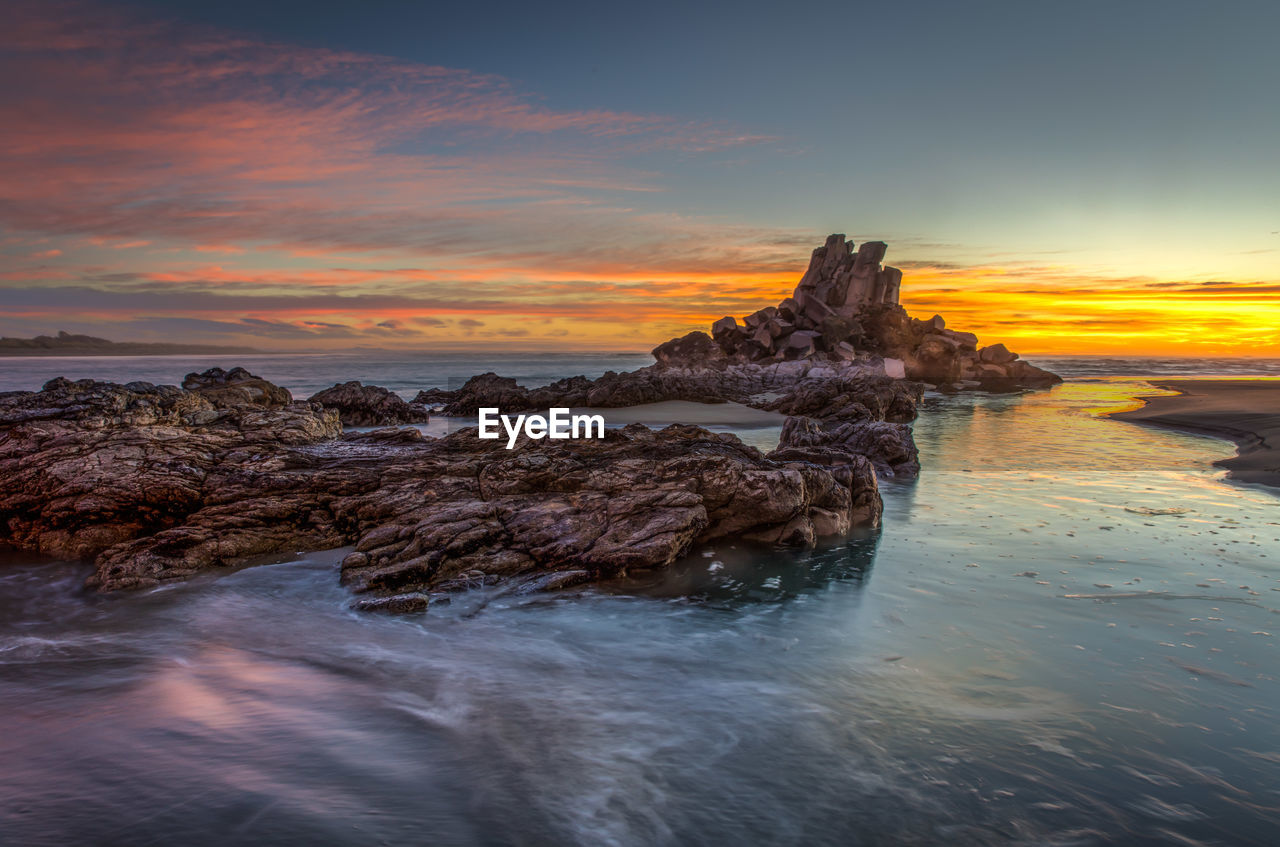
(1091, 177)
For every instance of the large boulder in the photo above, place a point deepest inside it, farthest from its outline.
(996, 354)
(370, 405)
(802, 343)
(236, 387)
(695, 349)
(724, 326)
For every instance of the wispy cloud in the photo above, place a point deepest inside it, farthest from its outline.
(159, 179)
(135, 130)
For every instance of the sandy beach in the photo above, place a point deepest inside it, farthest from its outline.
(1246, 411)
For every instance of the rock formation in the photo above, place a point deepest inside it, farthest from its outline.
(369, 405)
(845, 310)
(156, 483)
(236, 387)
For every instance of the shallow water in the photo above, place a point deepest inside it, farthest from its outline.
(1065, 634)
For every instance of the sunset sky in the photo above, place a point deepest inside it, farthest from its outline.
(1091, 177)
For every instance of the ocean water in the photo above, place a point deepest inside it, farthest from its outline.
(305, 373)
(1065, 633)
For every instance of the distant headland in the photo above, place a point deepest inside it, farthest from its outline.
(66, 344)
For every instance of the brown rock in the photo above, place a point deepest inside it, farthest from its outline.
(433, 397)
(996, 354)
(763, 316)
(369, 405)
(966, 340)
(236, 387)
(802, 343)
(727, 324)
(889, 447)
(1029, 375)
(696, 348)
(156, 484)
(836, 329)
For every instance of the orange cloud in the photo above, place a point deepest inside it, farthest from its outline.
(352, 197)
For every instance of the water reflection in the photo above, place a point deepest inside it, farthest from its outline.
(728, 575)
(1068, 637)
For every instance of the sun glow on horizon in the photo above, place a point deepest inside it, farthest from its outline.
(163, 182)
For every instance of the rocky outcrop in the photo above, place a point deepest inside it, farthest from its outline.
(890, 445)
(694, 348)
(369, 405)
(845, 310)
(236, 387)
(850, 399)
(86, 465)
(433, 398)
(157, 483)
(845, 393)
(636, 499)
(932, 353)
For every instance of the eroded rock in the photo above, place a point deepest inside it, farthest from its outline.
(156, 483)
(236, 387)
(369, 405)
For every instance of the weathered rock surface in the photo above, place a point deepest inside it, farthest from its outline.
(890, 445)
(369, 405)
(694, 347)
(86, 465)
(156, 483)
(433, 397)
(236, 387)
(850, 399)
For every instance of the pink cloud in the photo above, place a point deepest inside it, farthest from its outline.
(132, 130)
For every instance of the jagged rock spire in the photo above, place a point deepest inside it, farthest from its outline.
(847, 281)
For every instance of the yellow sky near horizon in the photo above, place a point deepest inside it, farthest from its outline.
(1046, 310)
(160, 182)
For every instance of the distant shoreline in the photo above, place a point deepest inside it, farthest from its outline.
(67, 344)
(1243, 411)
(127, 351)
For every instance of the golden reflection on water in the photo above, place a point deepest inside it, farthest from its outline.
(1065, 429)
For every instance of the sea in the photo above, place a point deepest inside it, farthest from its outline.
(1065, 633)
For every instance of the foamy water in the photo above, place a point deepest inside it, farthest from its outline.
(1065, 634)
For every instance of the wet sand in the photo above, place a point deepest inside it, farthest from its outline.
(1246, 411)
